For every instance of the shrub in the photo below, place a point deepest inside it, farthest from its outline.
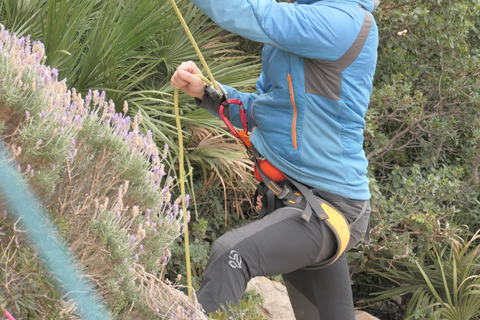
(444, 283)
(102, 182)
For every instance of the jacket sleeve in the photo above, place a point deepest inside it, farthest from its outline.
(312, 31)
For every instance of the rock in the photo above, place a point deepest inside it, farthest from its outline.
(276, 305)
(362, 315)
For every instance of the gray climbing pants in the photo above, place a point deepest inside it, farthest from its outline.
(284, 243)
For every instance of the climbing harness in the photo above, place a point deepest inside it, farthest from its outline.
(294, 193)
(287, 190)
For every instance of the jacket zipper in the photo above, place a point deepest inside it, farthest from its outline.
(294, 124)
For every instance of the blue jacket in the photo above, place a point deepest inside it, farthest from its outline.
(318, 65)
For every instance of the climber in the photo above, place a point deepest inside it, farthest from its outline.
(307, 119)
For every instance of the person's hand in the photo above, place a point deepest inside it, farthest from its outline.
(184, 80)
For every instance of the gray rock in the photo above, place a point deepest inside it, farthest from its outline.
(276, 305)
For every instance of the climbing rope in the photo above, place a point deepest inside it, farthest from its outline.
(180, 139)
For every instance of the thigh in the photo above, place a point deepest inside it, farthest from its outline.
(324, 294)
(279, 243)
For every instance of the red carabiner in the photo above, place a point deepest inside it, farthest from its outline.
(243, 116)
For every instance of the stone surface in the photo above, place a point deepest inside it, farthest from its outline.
(362, 315)
(276, 305)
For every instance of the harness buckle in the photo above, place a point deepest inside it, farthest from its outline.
(295, 199)
(286, 191)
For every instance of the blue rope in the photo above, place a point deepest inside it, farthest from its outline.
(24, 206)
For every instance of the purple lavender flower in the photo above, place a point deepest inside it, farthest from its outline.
(132, 239)
(165, 151)
(43, 114)
(141, 248)
(136, 257)
(187, 200)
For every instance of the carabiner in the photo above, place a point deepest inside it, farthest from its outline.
(243, 116)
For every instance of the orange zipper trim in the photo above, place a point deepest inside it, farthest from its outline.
(294, 124)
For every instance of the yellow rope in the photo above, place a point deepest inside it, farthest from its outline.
(195, 46)
(180, 140)
(182, 189)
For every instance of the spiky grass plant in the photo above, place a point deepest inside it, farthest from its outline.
(445, 285)
(103, 183)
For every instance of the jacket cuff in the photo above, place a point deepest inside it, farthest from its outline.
(212, 104)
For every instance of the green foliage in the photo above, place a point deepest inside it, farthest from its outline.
(102, 182)
(421, 137)
(246, 309)
(27, 287)
(130, 49)
(410, 211)
(444, 283)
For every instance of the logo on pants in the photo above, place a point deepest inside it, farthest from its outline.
(235, 260)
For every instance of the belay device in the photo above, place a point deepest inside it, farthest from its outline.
(277, 186)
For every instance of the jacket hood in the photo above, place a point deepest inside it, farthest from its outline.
(369, 5)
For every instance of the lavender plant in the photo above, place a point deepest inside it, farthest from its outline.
(101, 180)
